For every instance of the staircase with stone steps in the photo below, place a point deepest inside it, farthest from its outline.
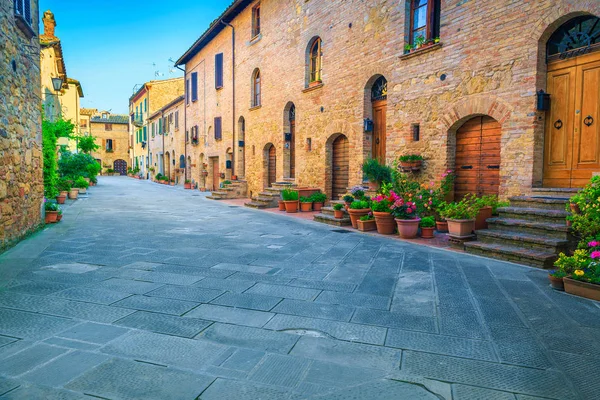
(269, 198)
(327, 217)
(531, 231)
(234, 190)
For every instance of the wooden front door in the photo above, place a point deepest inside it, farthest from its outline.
(120, 166)
(215, 174)
(293, 149)
(477, 157)
(572, 136)
(340, 167)
(379, 130)
(272, 166)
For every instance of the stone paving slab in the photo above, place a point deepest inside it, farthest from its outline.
(29, 392)
(244, 268)
(288, 292)
(23, 324)
(314, 310)
(193, 294)
(328, 374)
(280, 370)
(7, 385)
(247, 300)
(99, 296)
(133, 380)
(156, 304)
(93, 333)
(252, 338)
(354, 299)
(64, 369)
(163, 323)
(6, 340)
(243, 360)
(463, 392)
(383, 389)
(231, 285)
(323, 285)
(230, 315)
(393, 319)
(127, 286)
(239, 390)
(27, 359)
(71, 344)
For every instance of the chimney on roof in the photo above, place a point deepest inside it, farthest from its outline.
(49, 24)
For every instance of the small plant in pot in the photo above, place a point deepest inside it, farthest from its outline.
(318, 200)
(338, 210)
(460, 217)
(305, 204)
(290, 199)
(187, 184)
(376, 173)
(367, 223)
(358, 192)
(410, 162)
(348, 199)
(427, 225)
(357, 209)
(59, 215)
(81, 184)
(405, 213)
(51, 209)
(380, 205)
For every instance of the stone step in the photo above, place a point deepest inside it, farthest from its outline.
(534, 258)
(554, 192)
(283, 185)
(522, 240)
(558, 231)
(329, 211)
(253, 204)
(548, 203)
(213, 197)
(534, 214)
(331, 220)
(270, 194)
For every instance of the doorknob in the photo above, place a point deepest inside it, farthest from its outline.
(466, 167)
(588, 121)
(558, 124)
(493, 167)
(377, 141)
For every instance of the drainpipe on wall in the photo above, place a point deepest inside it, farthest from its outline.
(233, 95)
(185, 138)
(148, 141)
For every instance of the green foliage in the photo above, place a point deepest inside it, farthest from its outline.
(80, 183)
(568, 264)
(227, 182)
(51, 206)
(51, 131)
(305, 199)
(381, 206)
(318, 197)
(464, 209)
(87, 144)
(359, 205)
(411, 158)
(376, 172)
(586, 223)
(78, 164)
(63, 185)
(358, 192)
(427, 222)
(289, 195)
(338, 206)
(367, 217)
(158, 176)
(428, 197)
(348, 198)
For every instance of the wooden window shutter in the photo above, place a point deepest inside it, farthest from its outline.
(187, 91)
(104, 144)
(218, 128)
(219, 71)
(194, 86)
(114, 144)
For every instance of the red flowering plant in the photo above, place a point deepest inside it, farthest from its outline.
(402, 209)
(383, 202)
(426, 196)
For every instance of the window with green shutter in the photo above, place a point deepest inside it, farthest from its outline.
(145, 134)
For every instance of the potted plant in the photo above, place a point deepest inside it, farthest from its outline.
(93, 181)
(357, 209)
(348, 199)
(358, 192)
(318, 200)
(584, 280)
(338, 210)
(407, 48)
(366, 223)
(441, 225)
(376, 173)
(436, 40)
(460, 217)
(411, 162)
(305, 204)
(419, 41)
(81, 184)
(73, 193)
(384, 219)
(59, 215)
(405, 214)
(281, 205)
(290, 199)
(427, 225)
(51, 209)
(61, 198)
(187, 184)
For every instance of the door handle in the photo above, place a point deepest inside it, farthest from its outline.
(558, 124)
(466, 167)
(377, 141)
(493, 167)
(589, 120)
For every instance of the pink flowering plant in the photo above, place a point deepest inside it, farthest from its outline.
(403, 209)
(583, 265)
(429, 196)
(383, 203)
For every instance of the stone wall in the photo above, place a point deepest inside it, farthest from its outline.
(172, 142)
(21, 181)
(491, 61)
(120, 137)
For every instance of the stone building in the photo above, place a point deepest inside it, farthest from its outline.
(64, 103)
(306, 90)
(112, 135)
(167, 141)
(145, 101)
(21, 180)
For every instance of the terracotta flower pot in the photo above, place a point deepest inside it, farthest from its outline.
(408, 228)
(339, 214)
(373, 186)
(317, 206)
(556, 283)
(575, 208)
(58, 217)
(569, 223)
(583, 289)
(73, 193)
(60, 199)
(481, 220)
(306, 207)
(291, 206)
(365, 226)
(460, 227)
(356, 214)
(50, 217)
(82, 190)
(64, 193)
(385, 222)
(427, 233)
(441, 226)
(281, 205)
(187, 185)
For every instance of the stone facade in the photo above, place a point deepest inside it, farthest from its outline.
(490, 61)
(148, 98)
(168, 146)
(21, 181)
(107, 127)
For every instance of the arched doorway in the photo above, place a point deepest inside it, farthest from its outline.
(120, 166)
(270, 164)
(379, 108)
(477, 160)
(340, 167)
(572, 130)
(241, 164)
(229, 162)
(289, 130)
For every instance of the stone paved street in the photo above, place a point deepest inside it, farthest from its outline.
(153, 292)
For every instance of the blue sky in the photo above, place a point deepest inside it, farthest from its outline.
(112, 45)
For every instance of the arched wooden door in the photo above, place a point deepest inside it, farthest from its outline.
(272, 166)
(477, 157)
(340, 167)
(216, 174)
(379, 103)
(293, 142)
(120, 166)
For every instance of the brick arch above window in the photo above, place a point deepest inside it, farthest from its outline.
(314, 61)
(461, 111)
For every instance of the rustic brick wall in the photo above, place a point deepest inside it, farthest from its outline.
(491, 61)
(173, 142)
(21, 181)
(120, 136)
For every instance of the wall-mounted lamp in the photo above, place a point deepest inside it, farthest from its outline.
(57, 84)
(287, 137)
(543, 101)
(368, 125)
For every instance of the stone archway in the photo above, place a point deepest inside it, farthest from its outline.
(376, 111)
(337, 162)
(269, 165)
(241, 163)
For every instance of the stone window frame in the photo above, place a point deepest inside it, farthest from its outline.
(314, 65)
(256, 85)
(23, 17)
(255, 21)
(432, 25)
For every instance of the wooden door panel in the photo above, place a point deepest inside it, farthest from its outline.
(379, 130)
(272, 168)
(586, 137)
(215, 166)
(340, 167)
(293, 149)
